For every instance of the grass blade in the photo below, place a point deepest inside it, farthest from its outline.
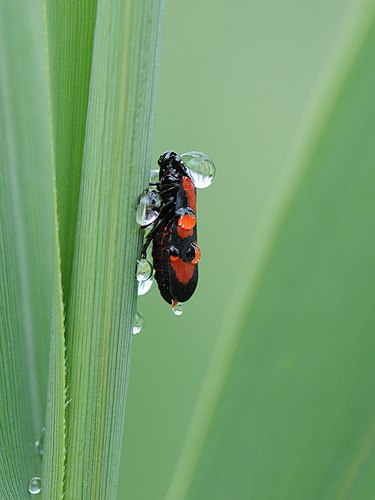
(288, 411)
(54, 446)
(26, 243)
(70, 36)
(69, 40)
(103, 294)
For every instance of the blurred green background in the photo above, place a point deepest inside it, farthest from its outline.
(238, 82)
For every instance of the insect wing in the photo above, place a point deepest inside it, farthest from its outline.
(183, 268)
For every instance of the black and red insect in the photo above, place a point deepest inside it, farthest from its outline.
(175, 251)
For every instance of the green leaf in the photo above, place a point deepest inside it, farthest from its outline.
(26, 243)
(102, 296)
(70, 37)
(69, 40)
(285, 411)
(54, 442)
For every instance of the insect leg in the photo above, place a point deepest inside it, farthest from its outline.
(165, 212)
(170, 188)
(151, 236)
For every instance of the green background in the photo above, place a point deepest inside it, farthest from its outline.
(239, 81)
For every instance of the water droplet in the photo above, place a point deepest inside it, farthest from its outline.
(144, 270)
(154, 175)
(178, 309)
(144, 276)
(144, 286)
(35, 485)
(39, 442)
(137, 323)
(201, 168)
(148, 207)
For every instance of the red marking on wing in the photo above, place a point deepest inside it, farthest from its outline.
(184, 270)
(187, 221)
(184, 233)
(189, 189)
(197, 257)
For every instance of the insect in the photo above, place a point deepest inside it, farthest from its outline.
(175, 251)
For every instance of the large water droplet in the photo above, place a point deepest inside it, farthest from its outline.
(39, 442)
(178, 309)
(137, 323)
(148, 207)
(35, 485)
(201, 168)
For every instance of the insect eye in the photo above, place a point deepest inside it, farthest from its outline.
(193, 253)
(174, 253)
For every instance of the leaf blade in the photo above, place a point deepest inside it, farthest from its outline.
(26, 229)
(70, 36)
(195, 453)
(103, 292)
